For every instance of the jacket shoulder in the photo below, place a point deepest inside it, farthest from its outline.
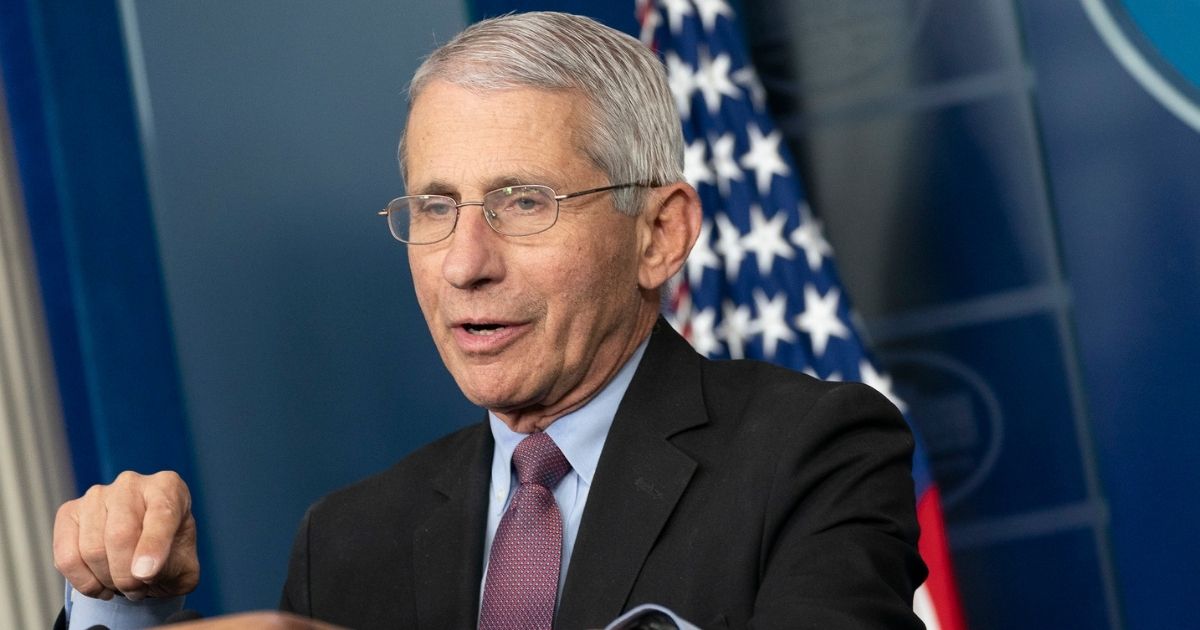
(755, 384)
(411, 476)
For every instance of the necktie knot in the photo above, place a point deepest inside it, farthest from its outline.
(538, 460)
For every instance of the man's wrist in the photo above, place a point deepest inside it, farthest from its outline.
(118, 612)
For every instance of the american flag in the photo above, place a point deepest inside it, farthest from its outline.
(761, 282)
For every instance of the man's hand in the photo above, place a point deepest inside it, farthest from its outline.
(135, 536)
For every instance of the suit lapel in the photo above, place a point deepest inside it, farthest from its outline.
(638, 481)
(448, 547)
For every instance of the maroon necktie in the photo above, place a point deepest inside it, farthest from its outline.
(522, 573)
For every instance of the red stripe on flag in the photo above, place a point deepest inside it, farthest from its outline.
(935, 551)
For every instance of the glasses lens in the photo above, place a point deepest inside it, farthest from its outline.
(521, 210)
(421, 219)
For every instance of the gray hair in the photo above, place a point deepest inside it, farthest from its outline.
(632, 131)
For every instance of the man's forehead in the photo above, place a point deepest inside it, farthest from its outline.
(461, 139)
(516, 109)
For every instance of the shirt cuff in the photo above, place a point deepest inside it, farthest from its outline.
(645, 615)
(119, 613)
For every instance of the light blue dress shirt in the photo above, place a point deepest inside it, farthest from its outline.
(580, 435)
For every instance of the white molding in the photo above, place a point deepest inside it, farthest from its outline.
(35, 472)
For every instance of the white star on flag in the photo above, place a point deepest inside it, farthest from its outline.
(695, 167)
(702, 336)
(748, 78)
(820, 318)
(881, 382)
(736, 328)
(772, 321)
(723, 163)
(712, 79)
(676, 10)
(702, 256)
(682, 82)
(710, 10)
(729, 246)
(763, 157)
(765, 239)
(810, 239)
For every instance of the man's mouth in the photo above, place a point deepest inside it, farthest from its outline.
(482, 329)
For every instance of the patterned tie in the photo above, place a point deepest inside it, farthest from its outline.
(522, 574)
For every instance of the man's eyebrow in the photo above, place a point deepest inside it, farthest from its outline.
(435, 187)
(449, 189)
(515, 180)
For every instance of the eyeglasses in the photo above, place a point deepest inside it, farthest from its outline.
(512, 211)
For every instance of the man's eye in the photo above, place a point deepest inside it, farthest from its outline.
(434, 209)
(526, 203)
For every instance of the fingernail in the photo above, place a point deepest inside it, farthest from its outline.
(143, 567)
(105, 595)
(135, 596)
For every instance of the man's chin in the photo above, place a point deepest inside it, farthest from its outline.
(500, 401)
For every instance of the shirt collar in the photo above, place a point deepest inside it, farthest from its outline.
(580, 435)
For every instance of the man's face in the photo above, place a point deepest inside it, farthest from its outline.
(532, 326)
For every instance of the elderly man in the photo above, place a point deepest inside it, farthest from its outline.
(546, 210)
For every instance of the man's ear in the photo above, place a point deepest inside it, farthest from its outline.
(668, 227)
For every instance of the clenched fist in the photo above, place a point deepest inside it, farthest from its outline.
(135, 536)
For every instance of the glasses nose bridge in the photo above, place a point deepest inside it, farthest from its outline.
(490, 216)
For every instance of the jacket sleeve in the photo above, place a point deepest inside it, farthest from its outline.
(840, 546)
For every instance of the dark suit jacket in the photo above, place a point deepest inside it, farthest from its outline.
(735, 493)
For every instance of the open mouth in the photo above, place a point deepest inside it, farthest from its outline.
(482, 329)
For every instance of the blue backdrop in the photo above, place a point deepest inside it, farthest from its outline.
(1014, 211)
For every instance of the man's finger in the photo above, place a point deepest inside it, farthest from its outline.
(168, 507)
(67, 558)
(122, 529)
(93, 515)
(181, 573)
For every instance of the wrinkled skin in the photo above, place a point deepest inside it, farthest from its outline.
(531, 327)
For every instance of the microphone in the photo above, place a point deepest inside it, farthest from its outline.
(646, 620)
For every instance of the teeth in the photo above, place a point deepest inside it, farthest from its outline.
(483, 329)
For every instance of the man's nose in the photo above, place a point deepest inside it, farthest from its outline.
(474, 257)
